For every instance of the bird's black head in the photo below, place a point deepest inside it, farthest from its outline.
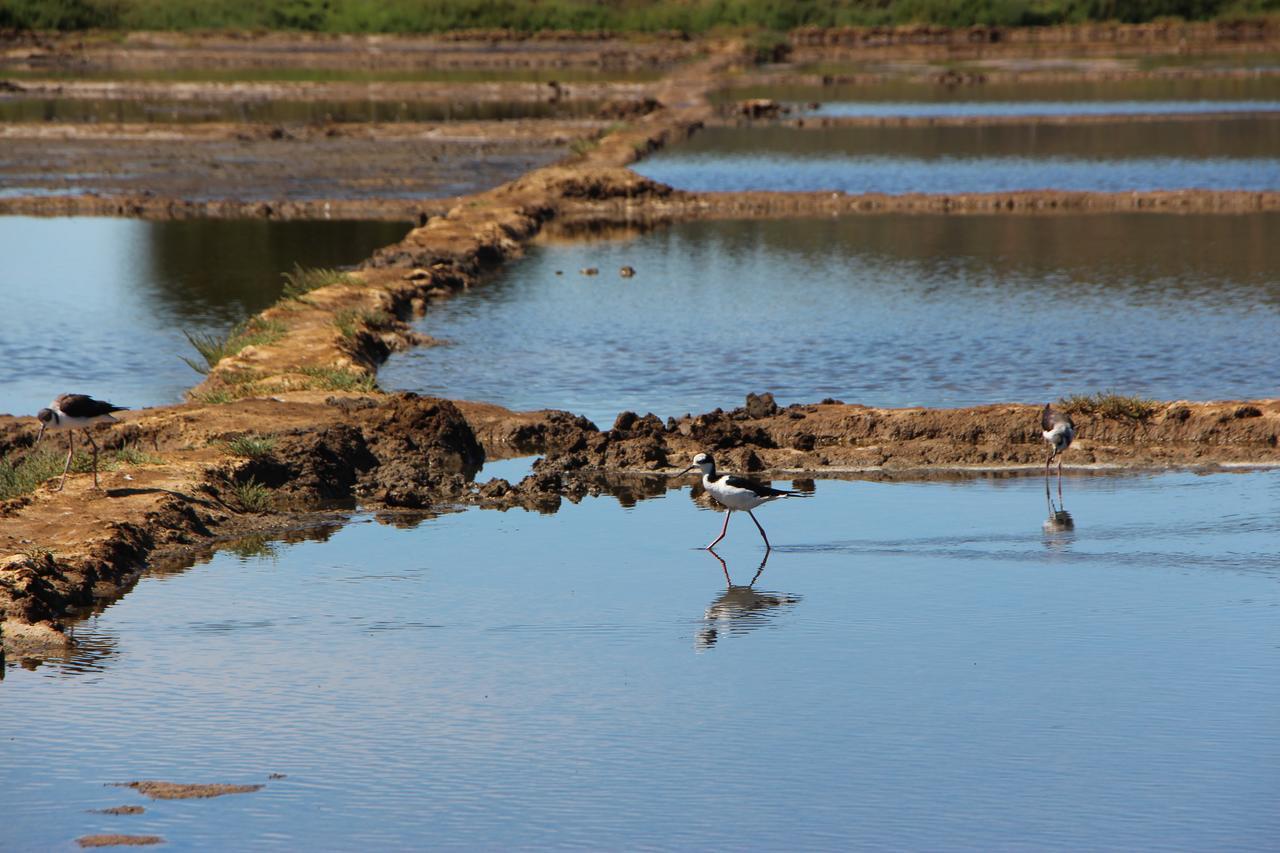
(45, 416)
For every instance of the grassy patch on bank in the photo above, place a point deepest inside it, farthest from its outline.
(252, 495)
(1109, 404)
(337, 379)
(303, 280)
(350, 321)
(23, 476)
(634, 16)
(214, 348)
(251, 446)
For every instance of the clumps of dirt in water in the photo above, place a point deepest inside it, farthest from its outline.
(120, 810)
(158, 790)
(117, 840)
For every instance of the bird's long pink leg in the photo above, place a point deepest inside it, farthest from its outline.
(1059, 479)
(767, 546)
(722, 529)
(71, 447)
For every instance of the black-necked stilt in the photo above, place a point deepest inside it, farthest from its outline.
(735, 493)
(70, 412)
(1059, 430)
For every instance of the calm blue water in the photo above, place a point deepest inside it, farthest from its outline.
(900, 175)
(98, 306)
(1224, 154)
(881, 310)
(916, 109)
(919, 666)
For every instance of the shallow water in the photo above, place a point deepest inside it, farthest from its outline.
(918, 666)
(106, 316)
(1228, 154)
(881, 310)
(159, 110)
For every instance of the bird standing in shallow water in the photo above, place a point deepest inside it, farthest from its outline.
(735, 493)
(1059, 430)
(68, 413)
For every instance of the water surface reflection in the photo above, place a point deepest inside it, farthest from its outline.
(106, 318)
(522, 680)
(881, 310)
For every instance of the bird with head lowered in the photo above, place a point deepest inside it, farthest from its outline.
(70, 412)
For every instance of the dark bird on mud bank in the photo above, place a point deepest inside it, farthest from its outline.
(1059, 430)
(68, 413)
(735, 493)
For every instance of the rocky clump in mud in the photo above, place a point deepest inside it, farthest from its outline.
(832, 435)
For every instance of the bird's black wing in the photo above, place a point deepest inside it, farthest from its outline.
(756, 487)
(84, 406)
(1046, 418)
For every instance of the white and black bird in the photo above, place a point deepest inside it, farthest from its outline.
(1059, 430)
(70, 412)
(735, 493)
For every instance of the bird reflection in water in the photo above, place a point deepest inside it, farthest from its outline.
(1059, 528)
(740, 608)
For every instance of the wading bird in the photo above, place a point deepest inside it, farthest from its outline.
(735, 493)
(68, 413)
(1059, 431)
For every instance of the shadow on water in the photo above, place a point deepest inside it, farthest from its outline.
(740, 608)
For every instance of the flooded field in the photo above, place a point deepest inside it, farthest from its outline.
(590, 679)
(908, 97)
(289, 111)
(1235, 154)
(107, 319)
(881, 310)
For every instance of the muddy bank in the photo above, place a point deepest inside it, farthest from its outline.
(735, 118)
(61, 552)
(678, 205)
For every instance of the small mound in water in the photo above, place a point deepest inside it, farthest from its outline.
(175, 791)
(120, 810)
(119, 840)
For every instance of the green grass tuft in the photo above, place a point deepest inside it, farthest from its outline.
(131, 455)
(251, 446)
(214, 397)
(350, 321)
(252, 495)
(302, 280)
(337, 379)
(1109, 404)
(24, 476)
(213, 348)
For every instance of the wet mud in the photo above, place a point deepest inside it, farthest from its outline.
(64, 552)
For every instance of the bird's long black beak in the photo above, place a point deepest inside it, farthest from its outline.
(39, 436)
(686, 470)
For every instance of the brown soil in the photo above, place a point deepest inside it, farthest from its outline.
(176, 791)
(60, 552)
(116, 840)
(120, 810)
